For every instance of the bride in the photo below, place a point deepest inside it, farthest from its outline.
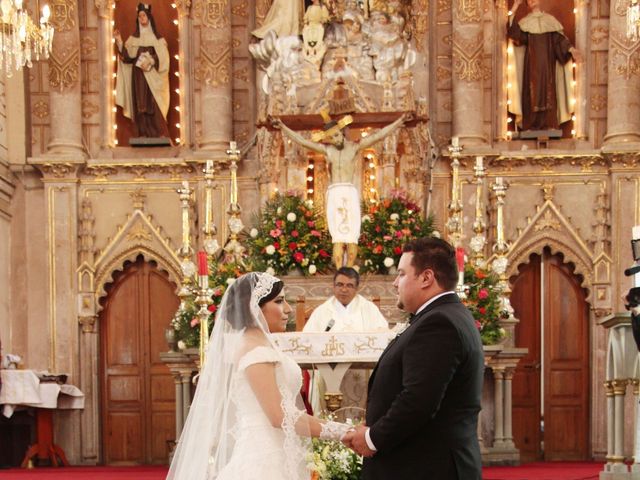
(245, 421)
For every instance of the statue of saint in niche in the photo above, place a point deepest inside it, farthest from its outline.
(142, 80)
(541, 80)
(283, 18)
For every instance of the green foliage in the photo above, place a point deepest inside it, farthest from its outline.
(333, 461)
(483, 300)
(386, 227)
(186, 323)
(289, 234)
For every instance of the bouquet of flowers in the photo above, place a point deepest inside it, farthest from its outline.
(483, 300)
(186, 322)
(289, 234)
(386, 227)
(333, 461)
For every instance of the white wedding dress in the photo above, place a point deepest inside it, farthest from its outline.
(262, 451)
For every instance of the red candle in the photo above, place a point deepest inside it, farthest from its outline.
(203, 265)
(460, 258)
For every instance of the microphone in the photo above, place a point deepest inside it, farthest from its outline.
(629, 272)
(332, 322)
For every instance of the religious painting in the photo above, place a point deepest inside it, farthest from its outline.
(540, 68)
(146, 88)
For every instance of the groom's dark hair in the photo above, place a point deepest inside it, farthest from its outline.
(437, 255)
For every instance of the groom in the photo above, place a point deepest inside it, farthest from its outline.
(424, 394)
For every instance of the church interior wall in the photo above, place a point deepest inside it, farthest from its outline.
(584, 182)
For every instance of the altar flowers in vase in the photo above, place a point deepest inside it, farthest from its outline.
(483, 300)
(289, 236)
(386, 226)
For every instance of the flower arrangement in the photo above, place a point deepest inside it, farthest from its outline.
(483, 300)
(333, 461)
(289, 234)
(386, 227)
(186, 322)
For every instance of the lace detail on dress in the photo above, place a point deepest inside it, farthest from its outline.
(334, 430)
(262, 289)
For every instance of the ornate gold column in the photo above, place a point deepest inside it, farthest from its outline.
(468, 71)
(623, 109)
(65, 100)
(213, 71)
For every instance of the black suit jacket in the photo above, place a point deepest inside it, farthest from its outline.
(424, 398)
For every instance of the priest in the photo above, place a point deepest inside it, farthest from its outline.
(345, 311)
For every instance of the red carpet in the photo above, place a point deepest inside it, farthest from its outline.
(546, 471)
(531, 471)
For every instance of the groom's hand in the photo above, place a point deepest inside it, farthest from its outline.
(359, 443)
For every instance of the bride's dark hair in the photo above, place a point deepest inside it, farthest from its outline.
(237, 307)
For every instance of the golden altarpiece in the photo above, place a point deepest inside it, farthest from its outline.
(81, 210)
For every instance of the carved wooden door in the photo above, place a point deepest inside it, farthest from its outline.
(551, 384)
(137, 390)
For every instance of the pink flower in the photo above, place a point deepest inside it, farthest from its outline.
(483, 293)
(315, 233)
(194, 321)
(279, 223)
(311, 224)
(399, 233)
(275, 233)
(387, 237)
(295, 234)
(298, 257)
(478, 325)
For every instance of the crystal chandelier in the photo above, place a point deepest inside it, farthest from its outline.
(633, 20)
(21, 39)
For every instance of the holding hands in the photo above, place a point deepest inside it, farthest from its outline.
(356, 441)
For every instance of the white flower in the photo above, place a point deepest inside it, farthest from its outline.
(394, 216)
(308, 203)
(312, 269)
(181, 345)
(366, 218)
(436, 234)
(279, 210)
(291, 217)
(230, 281)
(253, 232)
(388, 262)
(305, 262)
(271, 271)
(270, 249)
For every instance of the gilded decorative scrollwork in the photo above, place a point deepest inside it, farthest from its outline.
(548, 222)
(625, 56)
(240, 10)
(104, 8)
(88, 46)
(40, 109)
(213, 13)
(468, 11)
(139, 234)
(443, 6)
(599, 34)
(183, 7)
(598, 102)
(63, 14)
(104, 171)
(214, 69)
(467, 59)
(63, 72)
(89, 109)
(57, 170)
(620, 7)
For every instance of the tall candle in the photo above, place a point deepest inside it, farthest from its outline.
(232, 146)
(460, 258)
(479, 162)
(635, 232)
(455, 142)
(203, 265)
(499, 180)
